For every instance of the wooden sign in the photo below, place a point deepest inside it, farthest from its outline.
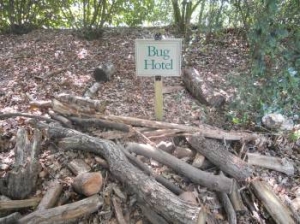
(158, 57)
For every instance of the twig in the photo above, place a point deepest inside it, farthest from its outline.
(118, 211)
(176, 190)
(4, 116)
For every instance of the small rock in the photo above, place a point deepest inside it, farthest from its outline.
(277, 121)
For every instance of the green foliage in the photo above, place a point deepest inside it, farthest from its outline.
(274, 82)
(294, 136)
(134, 12)
(22, 16)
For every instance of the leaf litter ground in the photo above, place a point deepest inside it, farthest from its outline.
(43, 63)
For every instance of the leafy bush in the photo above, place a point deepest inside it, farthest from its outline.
(273, 83)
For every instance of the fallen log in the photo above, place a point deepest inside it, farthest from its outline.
(64, 213)
(200, 89)
(21, 180)
(218, 155)
(209, 180)
(161, 200)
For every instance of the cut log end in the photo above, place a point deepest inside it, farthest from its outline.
(88, 183)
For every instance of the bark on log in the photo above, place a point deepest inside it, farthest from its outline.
(18, 204)
(100, 124)
(201, 90)
(152, 216)
(21, 181)
(279, 212)
(157, 197)
(64, 213)
(218, 155)
(213, 182)
(77, 104)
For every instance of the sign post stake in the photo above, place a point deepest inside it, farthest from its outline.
(159, 101)
(158, 98)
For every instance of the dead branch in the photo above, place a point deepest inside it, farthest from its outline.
(64, 213)
(8, 115)
(18, 204)
(62, 105)
(118, 210)
(213, 182)
(63, 120)
(51, 196)
(100, 123)
(41, 103)
(176, 190)
(206, 130)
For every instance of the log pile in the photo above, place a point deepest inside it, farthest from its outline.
(160, 200)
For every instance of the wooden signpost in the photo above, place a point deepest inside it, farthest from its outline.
(158, 58)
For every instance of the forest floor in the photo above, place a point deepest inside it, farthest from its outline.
(43, 63)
